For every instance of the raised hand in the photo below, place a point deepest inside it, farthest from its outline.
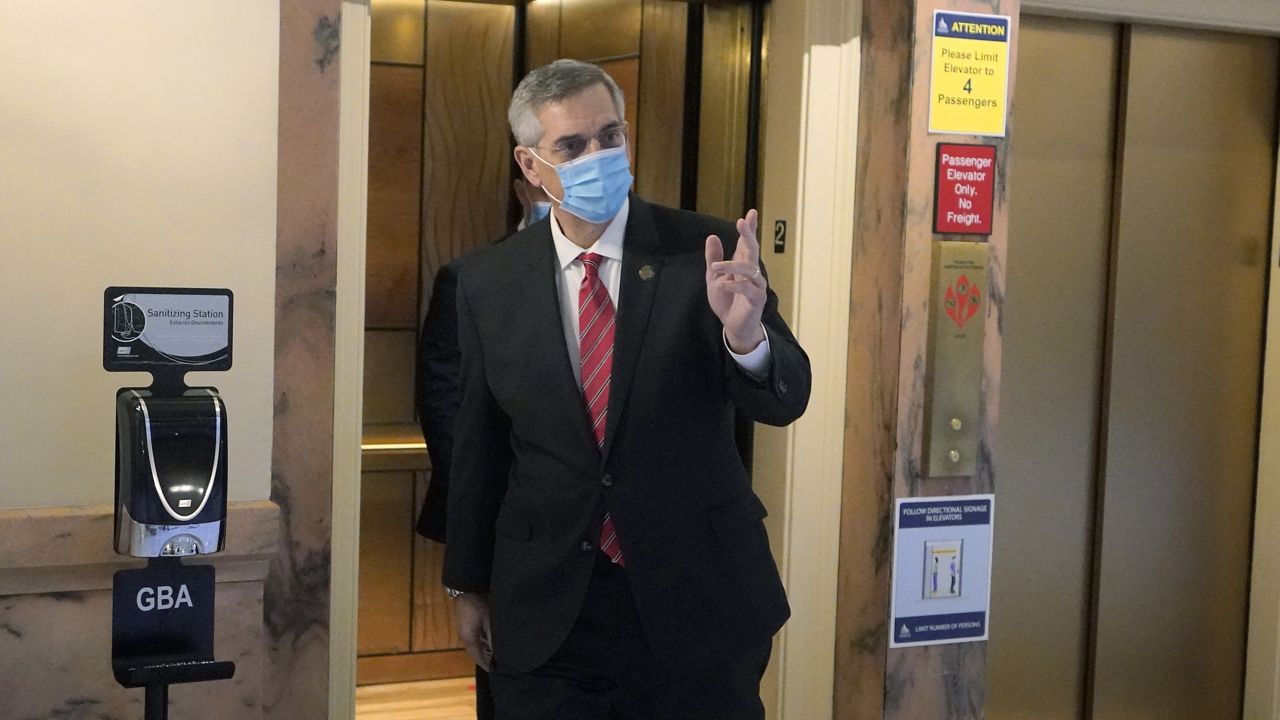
(736, 289)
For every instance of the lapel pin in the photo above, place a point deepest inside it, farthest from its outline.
(646, 272)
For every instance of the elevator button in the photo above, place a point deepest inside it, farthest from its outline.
(954, 456)
(956, 424)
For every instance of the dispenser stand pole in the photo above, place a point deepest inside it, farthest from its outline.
(157, 702)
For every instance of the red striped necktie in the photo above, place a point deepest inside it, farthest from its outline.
(595, 345)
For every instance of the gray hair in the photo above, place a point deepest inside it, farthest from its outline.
(549, 84)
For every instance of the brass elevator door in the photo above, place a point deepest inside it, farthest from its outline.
(1060, 181)
(1141, 186)
(1180, 444)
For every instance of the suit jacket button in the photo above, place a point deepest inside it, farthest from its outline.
(607, 480)
(587, 546)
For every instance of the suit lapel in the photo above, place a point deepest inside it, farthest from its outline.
(641, 272)
(543, 303)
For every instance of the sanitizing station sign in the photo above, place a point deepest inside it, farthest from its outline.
(941, 570)
(146, 328)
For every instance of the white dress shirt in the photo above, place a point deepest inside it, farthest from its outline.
(609, 247)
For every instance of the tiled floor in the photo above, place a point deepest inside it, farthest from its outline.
(430, 700)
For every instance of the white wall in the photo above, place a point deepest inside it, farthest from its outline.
(137, 147)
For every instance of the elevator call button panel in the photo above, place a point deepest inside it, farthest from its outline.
(957, 317)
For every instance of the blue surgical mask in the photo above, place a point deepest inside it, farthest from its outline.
(537, 210)
(595, 185)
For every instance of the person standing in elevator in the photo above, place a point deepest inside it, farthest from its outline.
(599, 512)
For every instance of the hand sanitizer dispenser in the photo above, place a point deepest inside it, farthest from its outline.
(171, 473)
(171, 484)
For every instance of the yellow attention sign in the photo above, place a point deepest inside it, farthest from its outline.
(969, 87)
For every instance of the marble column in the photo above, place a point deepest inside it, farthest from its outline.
(296, 602)
(888, 364)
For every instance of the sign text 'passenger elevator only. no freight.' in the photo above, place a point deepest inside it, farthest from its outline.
(964, 189)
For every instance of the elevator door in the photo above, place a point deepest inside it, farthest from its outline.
(1180, 442)
(1060, 197)
(1140, 188)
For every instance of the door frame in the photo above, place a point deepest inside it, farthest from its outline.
(348, 398)
(1252, 17)
(1262, 664)
(810, 146)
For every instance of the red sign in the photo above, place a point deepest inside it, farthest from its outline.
(964, 189)
(963, 299)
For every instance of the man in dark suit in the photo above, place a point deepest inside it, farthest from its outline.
(605, 549)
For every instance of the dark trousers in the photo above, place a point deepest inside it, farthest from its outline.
(605, 671)
(484, 696)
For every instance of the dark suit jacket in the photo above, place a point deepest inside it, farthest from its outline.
(529, 487)
(436, 395)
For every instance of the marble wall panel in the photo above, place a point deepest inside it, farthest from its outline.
(918, 240)
(947, 682)
(55, 659)
(296, 602)
(56, 573)
(888, 366)
(872, 380)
